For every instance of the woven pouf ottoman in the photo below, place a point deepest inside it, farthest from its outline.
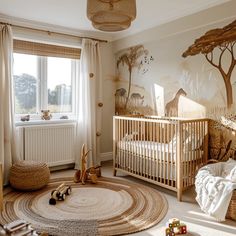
(29, 175)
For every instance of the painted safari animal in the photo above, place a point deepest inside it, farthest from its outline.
(120, 99)
(136, 100)
(171, 108)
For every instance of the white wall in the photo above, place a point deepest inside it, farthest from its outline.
(210, 17)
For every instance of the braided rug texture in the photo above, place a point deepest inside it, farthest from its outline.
(110, 207)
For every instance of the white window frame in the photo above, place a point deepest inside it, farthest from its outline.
(42, 90)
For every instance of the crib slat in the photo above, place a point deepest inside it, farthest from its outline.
(172, 153)
(123, 154)
(119, 140)
(205, 143)
(142, 149)
(168, 153)
(161, 155)
(165, 176)
(191, 148)
(179, 169)
(115, 132)
(188, 150)
(195, 143)
(156, 153)
(198, 145)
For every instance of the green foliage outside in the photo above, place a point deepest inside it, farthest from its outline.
(26, 90)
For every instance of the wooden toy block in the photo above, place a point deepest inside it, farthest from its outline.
(170, 234)
(174, 220)
(175, 227)
(170, 225)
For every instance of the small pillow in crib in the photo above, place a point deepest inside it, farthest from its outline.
(128, 137)
(229, 170)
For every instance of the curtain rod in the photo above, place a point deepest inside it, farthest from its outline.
(52, 32)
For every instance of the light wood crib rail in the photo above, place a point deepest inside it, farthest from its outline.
(164, 151)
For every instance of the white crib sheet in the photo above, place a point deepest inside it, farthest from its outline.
(162, 151)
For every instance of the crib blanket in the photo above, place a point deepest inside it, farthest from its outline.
(214, 192)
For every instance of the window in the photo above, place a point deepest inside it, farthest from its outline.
(59, 80)
(44, 78)
(43, 83)
(25, 83)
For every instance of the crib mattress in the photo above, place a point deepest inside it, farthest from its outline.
(155, 150)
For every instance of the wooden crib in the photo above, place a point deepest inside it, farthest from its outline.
(164, 151)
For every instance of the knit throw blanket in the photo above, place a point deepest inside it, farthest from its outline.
(214, 189)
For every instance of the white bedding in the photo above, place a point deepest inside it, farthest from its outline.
(146, 145)
(214, 188)
(151, 149)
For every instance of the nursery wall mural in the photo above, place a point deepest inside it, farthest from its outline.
(155, 79)
(214, 45)
(128, 102)
(222, 40)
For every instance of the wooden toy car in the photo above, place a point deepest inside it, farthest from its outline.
(18, 228)
(59, 194)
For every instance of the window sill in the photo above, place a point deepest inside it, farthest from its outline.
(44, 122)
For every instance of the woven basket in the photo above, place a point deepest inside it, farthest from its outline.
(29, 175)
(231, 213)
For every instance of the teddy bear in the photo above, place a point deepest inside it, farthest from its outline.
(46, 115)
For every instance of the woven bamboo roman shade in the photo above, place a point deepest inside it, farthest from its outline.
(41, 49)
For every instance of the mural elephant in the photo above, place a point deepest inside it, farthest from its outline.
(136, 100)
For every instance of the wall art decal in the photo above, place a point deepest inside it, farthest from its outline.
(135, 104)
(120, 100)
(131, 59)
(145, 63)
(171, 108)
(215, 44)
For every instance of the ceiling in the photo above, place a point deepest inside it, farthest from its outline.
(71, 14)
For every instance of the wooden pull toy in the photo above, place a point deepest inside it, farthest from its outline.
(85, 174)
(59, 194)
(18, 228)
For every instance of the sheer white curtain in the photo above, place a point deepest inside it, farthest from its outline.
(89, 102)
(7, 138)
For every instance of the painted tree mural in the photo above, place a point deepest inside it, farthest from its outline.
(131, 59)
(223, 40)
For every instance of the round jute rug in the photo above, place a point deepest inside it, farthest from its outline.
(110, 207)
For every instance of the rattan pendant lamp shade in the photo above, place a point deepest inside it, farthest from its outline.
(111, 15)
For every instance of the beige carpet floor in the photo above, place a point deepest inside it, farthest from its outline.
(187, 211)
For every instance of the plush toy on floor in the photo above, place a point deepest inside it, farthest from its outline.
(174, 227)
(84, 174)
(59, 194)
